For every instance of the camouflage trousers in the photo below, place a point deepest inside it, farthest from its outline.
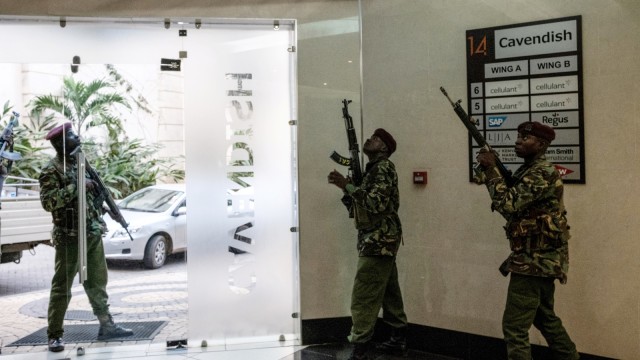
(530, 302)
(376, 286)
(66, 268)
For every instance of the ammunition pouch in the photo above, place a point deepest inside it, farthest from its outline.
(362, 218)
(365, 220)
(543, 232)
(65, 218)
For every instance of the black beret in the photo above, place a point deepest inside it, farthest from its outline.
(387, 139)
(57, 131)
(537, 129)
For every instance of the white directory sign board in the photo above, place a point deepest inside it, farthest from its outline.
(529, 72)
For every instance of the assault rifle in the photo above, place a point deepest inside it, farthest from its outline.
(103, 195)
(475, 134)
(8, 131)
(355, 172)
(9, 155)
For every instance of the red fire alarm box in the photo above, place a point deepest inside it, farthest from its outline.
(420, 177)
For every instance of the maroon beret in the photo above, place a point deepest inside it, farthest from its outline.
(537, 129)
(387, 139)
(57, 131)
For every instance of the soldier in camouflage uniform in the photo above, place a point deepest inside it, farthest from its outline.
(538, 235)
(59, 196)
(375, 206)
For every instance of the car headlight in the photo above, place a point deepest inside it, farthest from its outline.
(121, 232)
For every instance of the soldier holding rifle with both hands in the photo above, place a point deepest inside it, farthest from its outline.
(374, 204)
(59, 196)
(531, 200)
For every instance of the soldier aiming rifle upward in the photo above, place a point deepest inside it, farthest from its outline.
(475, 134)
(355, 171)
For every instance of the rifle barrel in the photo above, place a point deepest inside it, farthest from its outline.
(477, 136)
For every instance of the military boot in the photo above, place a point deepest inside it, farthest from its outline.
(110, 330)
(397, 343)
(360, 352)
(56, 344)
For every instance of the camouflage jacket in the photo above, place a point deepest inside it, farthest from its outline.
(536, 220)
(59, 196)
(375, 203)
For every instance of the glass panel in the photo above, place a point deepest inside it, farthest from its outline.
(37, 67)
(235, 97)
(239, 161)
(329, 71)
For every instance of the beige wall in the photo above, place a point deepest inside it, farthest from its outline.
(453, 243)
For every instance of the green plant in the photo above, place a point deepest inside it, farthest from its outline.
(130, 165)
(84, 105)
(125, 165)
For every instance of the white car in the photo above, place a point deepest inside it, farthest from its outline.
(157, 218)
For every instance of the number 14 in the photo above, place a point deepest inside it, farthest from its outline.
(477, 49)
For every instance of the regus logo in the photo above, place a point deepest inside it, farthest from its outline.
(496, 121)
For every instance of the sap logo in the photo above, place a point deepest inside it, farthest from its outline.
(497, 121)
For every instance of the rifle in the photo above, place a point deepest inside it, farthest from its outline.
(105, 196)
(4, 154)
(8, 131)
(473, 130)
(355, 172)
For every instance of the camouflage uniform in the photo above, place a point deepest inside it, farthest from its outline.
(538, 234)
(375, 204)
(58, 194)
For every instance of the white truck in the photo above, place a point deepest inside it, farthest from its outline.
(24, 224)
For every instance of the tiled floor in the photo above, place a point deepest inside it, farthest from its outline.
(269, 351)
(132, 290)
(262, 351)
(342, 351)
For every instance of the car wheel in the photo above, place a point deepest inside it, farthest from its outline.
(156, 252)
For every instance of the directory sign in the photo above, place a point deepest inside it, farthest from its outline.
(528, 72)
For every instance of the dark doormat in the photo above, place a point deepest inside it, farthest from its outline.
(143, 330)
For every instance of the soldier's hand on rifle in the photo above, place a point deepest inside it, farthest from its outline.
(8, 138)
(337, 179)
(486, 158)
(90, 184)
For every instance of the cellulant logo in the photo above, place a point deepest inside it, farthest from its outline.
(496, 121)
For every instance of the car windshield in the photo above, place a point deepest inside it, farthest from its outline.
(150, 200)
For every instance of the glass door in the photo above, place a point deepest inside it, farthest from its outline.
(219, 100)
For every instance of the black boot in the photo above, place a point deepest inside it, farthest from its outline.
(360, 352)
(56, 344)
(397, 343)
(110, 330)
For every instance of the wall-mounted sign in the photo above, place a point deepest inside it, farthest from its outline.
(528, 72)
